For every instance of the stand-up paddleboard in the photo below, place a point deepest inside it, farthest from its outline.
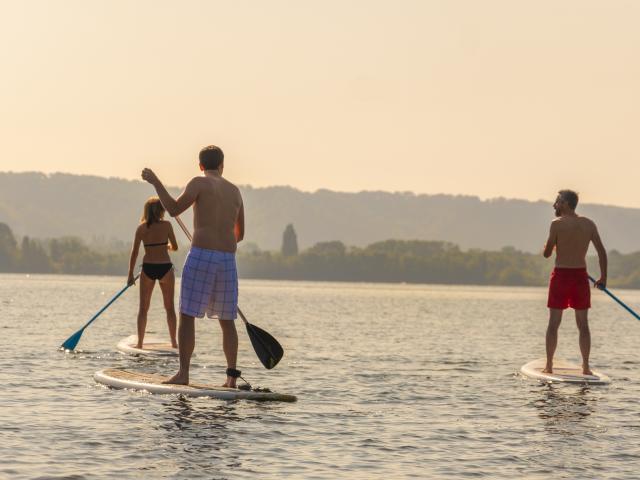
(151, 346)
(563, 372)
(151, 383)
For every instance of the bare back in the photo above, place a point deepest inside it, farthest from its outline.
(216, 212)
(156, 235)
(571, 235)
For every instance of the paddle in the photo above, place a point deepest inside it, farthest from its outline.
(620, 302)
(267, 348)
(71, 342)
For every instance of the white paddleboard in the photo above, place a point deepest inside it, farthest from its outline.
(563, 372)
(152, 383)
(151, 346)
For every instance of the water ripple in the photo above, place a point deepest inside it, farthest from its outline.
(434, 394)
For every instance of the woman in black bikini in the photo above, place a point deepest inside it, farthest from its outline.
(158, 238)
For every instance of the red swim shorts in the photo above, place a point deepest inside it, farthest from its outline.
(569, 287)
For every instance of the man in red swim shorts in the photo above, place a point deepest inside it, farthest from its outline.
(570, 235)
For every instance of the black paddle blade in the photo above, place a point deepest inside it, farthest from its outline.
(267, 348)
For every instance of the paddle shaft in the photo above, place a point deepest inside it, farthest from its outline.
(116, 296)
(188, 234)
(620, 302)
(71, 342)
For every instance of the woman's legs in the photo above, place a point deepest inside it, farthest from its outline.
(146, 289)
(167, 285)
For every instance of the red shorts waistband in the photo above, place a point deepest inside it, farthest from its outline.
(570, 270)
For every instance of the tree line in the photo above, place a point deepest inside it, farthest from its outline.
(423, 262)
(388, 261)
(59, 255)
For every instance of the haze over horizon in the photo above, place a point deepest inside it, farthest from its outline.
(315, 190)
(490, 99)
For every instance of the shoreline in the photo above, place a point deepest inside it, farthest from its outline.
(311, 280)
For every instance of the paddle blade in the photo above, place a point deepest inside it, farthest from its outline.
(71, 342)
(267, 348)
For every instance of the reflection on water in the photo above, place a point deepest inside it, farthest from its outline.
(181, 413)
(393, 382)
(201, 430)
(564, 407)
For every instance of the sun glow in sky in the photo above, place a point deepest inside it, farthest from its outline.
(492, 98)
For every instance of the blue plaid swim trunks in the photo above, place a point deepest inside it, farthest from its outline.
(209, 284)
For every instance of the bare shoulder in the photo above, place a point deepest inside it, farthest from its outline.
(196, 182)
(229, 183)
(196, 185)
(588, 221)
(232, 186)
(141, 230)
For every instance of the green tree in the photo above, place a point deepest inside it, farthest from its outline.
(328, 249)
(8, 249)
(289, 242)
(33, 257)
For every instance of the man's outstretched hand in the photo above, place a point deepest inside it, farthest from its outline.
(601, 283)
(149, 176)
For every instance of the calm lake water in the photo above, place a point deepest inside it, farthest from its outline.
(393, 381)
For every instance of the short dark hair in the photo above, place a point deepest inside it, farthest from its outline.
(570, 197)
(211, 157)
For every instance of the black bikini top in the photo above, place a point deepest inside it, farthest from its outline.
(156, 244)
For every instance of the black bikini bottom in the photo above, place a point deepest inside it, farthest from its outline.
(155, 271)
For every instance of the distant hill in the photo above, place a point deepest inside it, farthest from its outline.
(104, 209)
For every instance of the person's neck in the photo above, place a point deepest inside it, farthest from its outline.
(212, 173)
(571, 213)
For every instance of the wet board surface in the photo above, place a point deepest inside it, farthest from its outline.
(152, 346)
(563, 372)
(126, 379)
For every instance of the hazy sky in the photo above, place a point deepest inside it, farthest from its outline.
(493, 98)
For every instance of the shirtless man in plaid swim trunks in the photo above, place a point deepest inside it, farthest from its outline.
(209, 278)
(570, 236)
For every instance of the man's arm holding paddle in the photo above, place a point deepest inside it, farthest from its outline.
(551, 241)
(173, 206)
(602, 258)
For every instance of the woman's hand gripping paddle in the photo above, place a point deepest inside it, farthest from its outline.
(267, 348)
(71, 342)
(620, 302)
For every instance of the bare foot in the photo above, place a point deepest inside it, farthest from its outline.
(586, 371)
(174, 345)
(178, 379)
(230, 383)
(548, 369)
(139, 345)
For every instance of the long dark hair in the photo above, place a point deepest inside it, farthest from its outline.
(152, 212)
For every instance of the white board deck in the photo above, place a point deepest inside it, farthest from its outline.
(151, 346)
(152, 383)
(563, 372)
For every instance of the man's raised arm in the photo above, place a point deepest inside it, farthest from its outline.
(173, 206)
